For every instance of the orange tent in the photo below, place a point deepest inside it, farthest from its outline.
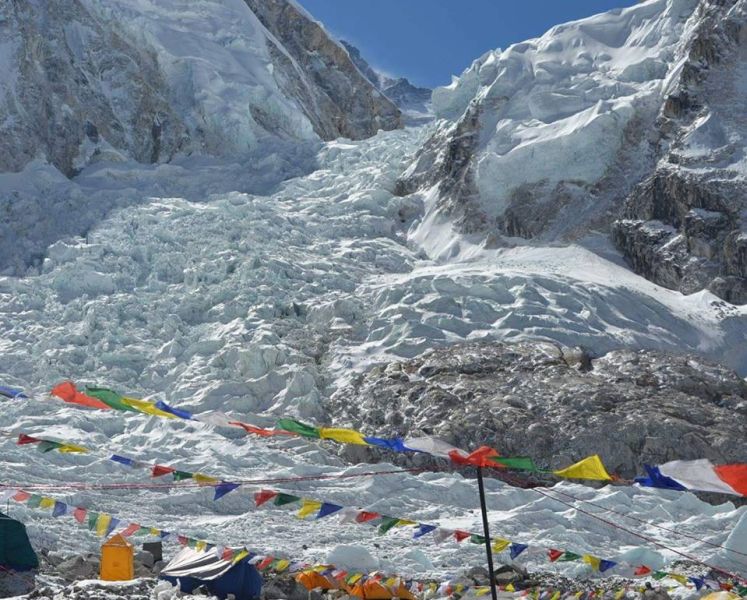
(375, 590)
(117, 560)
(312, 580)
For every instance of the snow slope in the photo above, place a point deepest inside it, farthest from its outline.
(263, 305)
(92, 80)
(634, 113)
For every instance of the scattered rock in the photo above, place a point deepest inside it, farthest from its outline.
(558, 405)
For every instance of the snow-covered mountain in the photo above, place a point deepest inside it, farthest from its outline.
(414, 101)
(91, 80)
(550, 139)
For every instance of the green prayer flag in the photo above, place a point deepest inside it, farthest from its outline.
(192, 543)
(520, 463)
(34, 501)
(569, 556)
(109, 397)
(93, 517)
(143, 531)
(387, 523)
(282, 499)
(300, 428)
(181, 475)
(659, 575)
(48, 446)
(477, 539)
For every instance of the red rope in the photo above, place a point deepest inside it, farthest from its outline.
(188, 484)
(644, 537)
(680, 533)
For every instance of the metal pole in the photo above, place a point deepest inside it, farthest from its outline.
(486, 533)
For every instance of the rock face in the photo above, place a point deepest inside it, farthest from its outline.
(629, 122)
(340, 101)
(557, 404)
(414, 101)
(87, 80)
(684, 227)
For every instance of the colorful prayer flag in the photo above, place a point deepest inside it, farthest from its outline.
(589, 468)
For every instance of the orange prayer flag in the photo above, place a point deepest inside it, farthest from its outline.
(67, 392)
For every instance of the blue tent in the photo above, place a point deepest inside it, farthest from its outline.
(190, 569)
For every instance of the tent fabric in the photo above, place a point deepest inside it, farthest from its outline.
(16, 553)
(190, 569)
(117, 559)
(374, 590)
(312, 580)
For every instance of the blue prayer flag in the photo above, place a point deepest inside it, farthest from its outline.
(327, 509)
(182, 414)
(223, 488)
(396, 444)
(657, 480)
(12, 393)
(423, 530)
(123, 460)
(517, 549)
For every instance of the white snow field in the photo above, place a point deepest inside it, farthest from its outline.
(260, 306)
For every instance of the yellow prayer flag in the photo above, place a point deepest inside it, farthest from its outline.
(459, 588)
(391, 581)
(308, 507)
(47, 503)
(591, 560)
(102, 524)
(556, 596)
(146, 407)
(588, 468)
(282, 565)
(481, 591)
(240, 556)
(204, 479)
(201, 546)
(405, 523)
(72, 449)
(344, 436)
(620, 593)
(355, 578)
(510, 587)
(679, 578)
(499, 544)
(154, 531)
(578, 594)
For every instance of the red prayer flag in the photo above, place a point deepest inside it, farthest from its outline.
(182, 539)
(21, 496)
(734, 476)
(159, 470)
(460, 535)
(478, 458)
(68, 392)
(80, 515)
(227, 554)
(263, 496)
(265, 563)
(555, 554)
(260, 430)
(365, 516)
(642, 570)
(131, 529)
(27, 439)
